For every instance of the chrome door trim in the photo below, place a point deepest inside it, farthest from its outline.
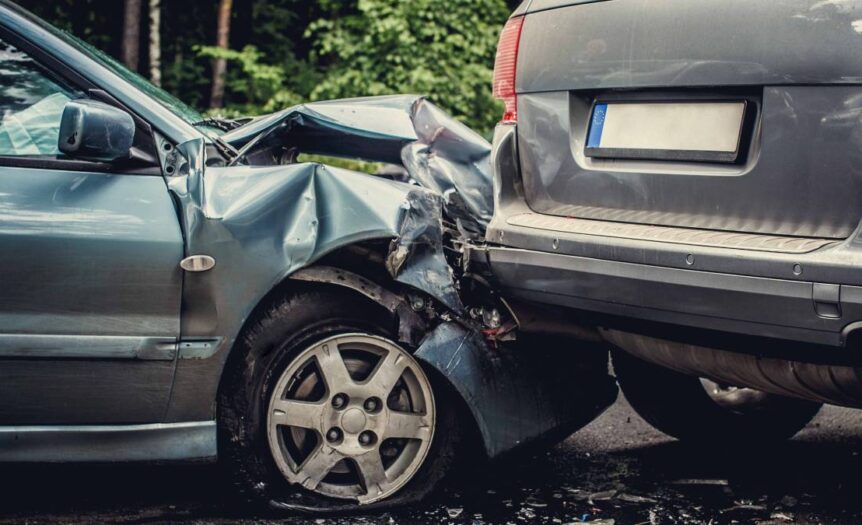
(107, 443)
(27, 346)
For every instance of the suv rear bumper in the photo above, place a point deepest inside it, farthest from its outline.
(805, 296)
(754, 306)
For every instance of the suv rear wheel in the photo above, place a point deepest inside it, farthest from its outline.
(701, 411)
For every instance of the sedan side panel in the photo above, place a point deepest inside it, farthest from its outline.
(90, 297)
(86, 253)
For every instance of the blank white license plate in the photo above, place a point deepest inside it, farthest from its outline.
(696, 131)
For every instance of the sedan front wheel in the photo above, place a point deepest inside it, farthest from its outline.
(321, 410)
(351, 417)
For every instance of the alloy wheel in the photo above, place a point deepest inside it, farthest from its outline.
(351, 417)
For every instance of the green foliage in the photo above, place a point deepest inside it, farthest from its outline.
(344, 163)
(186, 24)
(261, 85)
(87, 19)
(441, 48)
(284, 52)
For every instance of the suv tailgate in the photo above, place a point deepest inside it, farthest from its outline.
(796, 65)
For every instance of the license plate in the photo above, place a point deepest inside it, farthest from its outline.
(685, 131)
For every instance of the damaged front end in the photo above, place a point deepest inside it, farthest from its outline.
(402, 240)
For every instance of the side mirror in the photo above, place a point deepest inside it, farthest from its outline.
(91, 130)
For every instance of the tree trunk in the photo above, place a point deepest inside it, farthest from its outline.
(131, 33)
(220, 64)
(155, 42)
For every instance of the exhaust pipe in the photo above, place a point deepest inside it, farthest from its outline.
(834, 384)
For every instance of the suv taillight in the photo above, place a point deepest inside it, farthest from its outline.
(506, 67)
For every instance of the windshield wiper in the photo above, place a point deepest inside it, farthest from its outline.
(229, 152)
(222, 124)
(226, 150)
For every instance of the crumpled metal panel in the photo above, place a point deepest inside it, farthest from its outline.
(264, 216)
(439, 153)
(262, 223)
(453, 160)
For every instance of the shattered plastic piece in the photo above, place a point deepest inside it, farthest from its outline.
(416, 256)
(631, 498)
(606, 495)
(526, 513)
(744, 507)
(713, 482)
(454, 512)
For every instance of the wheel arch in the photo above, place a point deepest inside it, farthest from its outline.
(361, 281)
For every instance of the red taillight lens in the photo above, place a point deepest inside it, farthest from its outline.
(506, 67)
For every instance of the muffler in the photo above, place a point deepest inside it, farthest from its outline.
(834, 384)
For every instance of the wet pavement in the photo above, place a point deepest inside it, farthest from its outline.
(618, 470)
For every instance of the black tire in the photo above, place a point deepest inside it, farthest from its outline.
(265, 350)
(679, 405)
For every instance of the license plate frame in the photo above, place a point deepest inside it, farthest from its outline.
(639, 140)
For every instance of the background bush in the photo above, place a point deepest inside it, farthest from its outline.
(283, 52)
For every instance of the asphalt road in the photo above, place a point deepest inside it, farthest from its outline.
(618, 469)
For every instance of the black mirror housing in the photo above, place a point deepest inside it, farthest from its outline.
(91, 130)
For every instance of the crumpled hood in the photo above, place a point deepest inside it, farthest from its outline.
(438, 152)
(265, 215)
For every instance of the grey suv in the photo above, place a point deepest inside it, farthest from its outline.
(683, 179)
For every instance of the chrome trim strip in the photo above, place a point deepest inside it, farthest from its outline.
(87, 347)
(62, 444)
(670, 234)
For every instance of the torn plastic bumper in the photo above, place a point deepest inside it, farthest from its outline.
(520, 392)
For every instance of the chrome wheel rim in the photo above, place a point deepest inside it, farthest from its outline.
(352, 417)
